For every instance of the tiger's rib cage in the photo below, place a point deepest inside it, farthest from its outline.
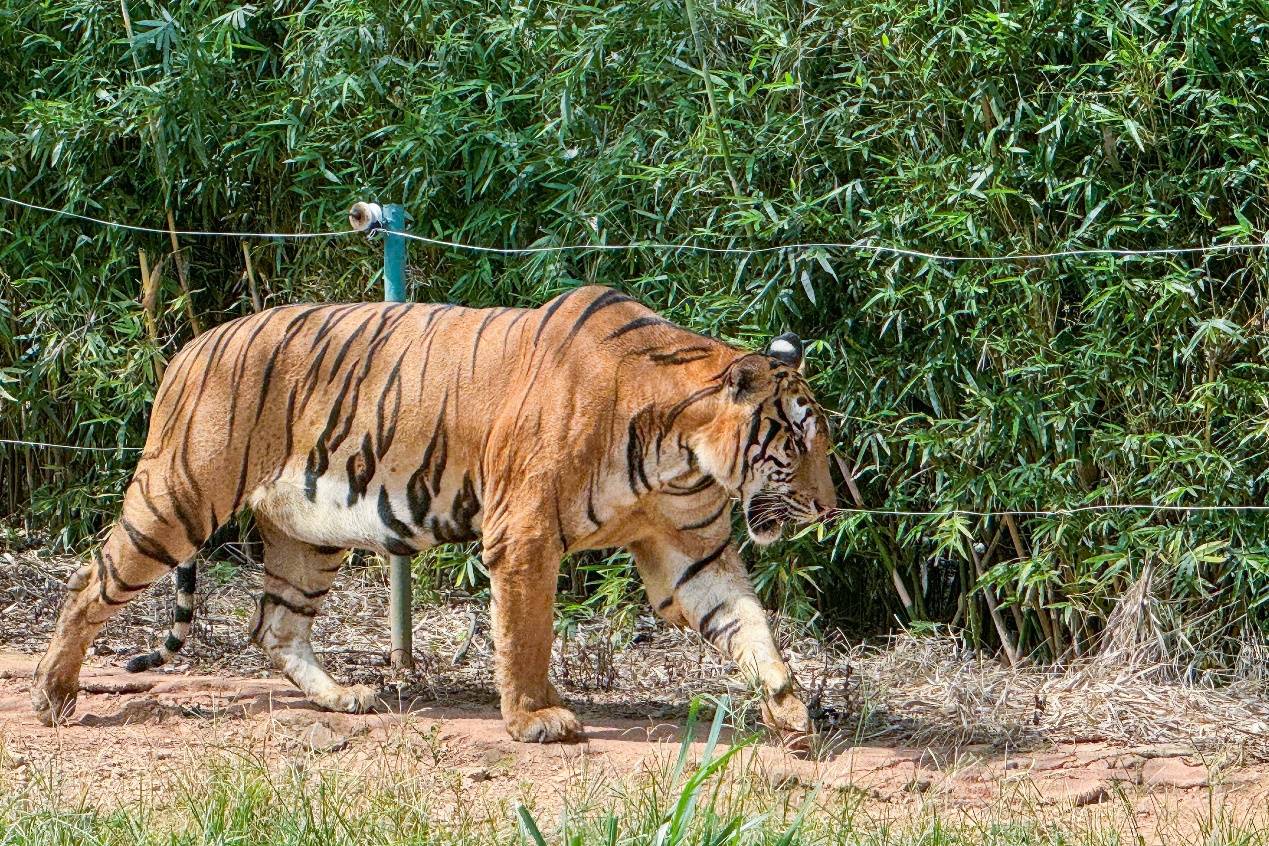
(393, 426)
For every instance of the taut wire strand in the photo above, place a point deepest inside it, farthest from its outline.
(856, 246)
(1056, 512)
(44, 445)
(842, 512)
(192, 233)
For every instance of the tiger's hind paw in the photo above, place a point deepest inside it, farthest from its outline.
(355, 699)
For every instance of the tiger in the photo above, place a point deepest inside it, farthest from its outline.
(588, 423)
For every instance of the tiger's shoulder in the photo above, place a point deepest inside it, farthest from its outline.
(608, 321)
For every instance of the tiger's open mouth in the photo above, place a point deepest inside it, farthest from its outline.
(766, 518)
(767, 515)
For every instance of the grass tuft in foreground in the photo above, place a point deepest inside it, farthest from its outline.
(707, 795)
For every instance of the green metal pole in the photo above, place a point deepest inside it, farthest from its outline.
(398, 565)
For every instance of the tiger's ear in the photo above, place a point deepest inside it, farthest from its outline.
(787, 348)
(749, 377)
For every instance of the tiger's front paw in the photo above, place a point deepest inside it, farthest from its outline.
(555, 724)
(785, 713)
(53, 699)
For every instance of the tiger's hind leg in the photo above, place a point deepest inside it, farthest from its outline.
(145, 544)
(297, 577)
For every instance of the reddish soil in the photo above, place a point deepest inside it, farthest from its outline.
(130, 731)
(919, 728)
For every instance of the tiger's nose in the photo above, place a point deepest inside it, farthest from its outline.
(821, 510)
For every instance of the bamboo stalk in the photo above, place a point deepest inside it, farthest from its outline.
(160, 162)
(899, 587)
(28, 466)
(150, 279)
(149, 297)
(127, 27)
(182, 277)
(1016, 535)
(256, 303)
(995, 541)
(1050, 635)
(1055, 624)
(984, 564)
(849, 476)
(1019, 621)
(1042, 617)
(973, 617)
(703, 58)
(1011, 651)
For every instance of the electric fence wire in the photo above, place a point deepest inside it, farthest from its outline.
(1054, 512)
(192, 233)
(859, 246)
(843, 512)
(688, 246)
(70, 447)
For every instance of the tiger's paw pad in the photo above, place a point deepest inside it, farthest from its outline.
(355, 699)
(547, 725)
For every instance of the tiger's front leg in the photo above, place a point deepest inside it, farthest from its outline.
(704, 584)
(523, 571)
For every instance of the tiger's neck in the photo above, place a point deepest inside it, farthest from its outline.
(651, 475)
(657, 447)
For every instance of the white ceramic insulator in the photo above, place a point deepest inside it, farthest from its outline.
(363, 216)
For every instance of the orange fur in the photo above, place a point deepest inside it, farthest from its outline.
(586, 423)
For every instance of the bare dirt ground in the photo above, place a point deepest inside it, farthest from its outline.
(909, 726)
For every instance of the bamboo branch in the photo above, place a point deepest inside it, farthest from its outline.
(703, 58)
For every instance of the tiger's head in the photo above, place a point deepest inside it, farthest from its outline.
(768, 441)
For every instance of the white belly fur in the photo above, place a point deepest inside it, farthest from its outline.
(329, 520)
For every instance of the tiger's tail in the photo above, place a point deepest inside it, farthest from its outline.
(176, 637)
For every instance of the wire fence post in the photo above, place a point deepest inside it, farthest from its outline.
(398, 565)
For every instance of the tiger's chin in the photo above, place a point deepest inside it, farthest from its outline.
(764, 528)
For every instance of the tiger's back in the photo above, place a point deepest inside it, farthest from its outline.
(299, 409)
